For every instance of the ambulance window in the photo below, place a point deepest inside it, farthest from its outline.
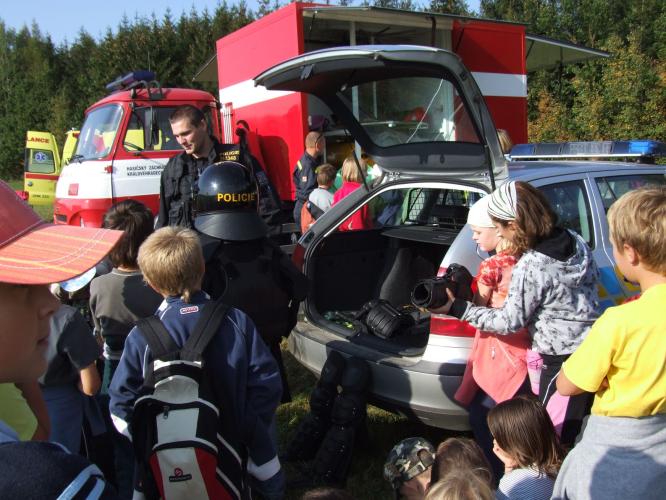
(40, 161)
(99, 132)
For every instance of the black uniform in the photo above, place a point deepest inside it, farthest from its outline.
(259, 279)
(243, 266)
(305, 181)
(176, 194)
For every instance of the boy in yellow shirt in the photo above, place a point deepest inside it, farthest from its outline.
(622, 451)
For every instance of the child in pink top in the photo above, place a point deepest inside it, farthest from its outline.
(352, 179)
(496, 369)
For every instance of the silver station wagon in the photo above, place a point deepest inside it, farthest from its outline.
(433, 169)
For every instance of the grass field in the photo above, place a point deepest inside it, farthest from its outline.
(385, 429)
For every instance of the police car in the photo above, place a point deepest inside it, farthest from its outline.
(435, 165)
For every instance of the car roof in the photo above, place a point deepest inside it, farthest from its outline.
(531, 170)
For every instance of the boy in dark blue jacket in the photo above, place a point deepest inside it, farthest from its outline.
(247, 380)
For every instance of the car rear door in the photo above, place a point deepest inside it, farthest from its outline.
(416, 111)
(606, 187)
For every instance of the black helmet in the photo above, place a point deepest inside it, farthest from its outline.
(226, 203)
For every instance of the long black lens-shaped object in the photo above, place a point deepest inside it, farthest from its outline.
(431, 293)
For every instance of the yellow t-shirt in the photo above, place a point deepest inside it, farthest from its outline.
(627, 346)
(16, 413)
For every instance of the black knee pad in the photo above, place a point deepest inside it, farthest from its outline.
(332, 462)
(313, 427)
(331, 372)
(356, 376)
(324, 393)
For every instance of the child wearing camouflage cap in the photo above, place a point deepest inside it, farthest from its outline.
(408, 467)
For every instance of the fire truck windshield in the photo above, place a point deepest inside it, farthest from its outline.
(98, 133)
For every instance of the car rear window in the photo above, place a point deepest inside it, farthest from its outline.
(405, 110)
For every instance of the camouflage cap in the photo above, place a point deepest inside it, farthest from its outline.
(409, 458)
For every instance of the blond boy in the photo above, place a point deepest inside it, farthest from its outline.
(248, 384)
(622, 452)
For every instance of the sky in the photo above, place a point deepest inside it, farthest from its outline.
(63, 19)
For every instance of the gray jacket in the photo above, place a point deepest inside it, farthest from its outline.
(616, 458)
(555, 299)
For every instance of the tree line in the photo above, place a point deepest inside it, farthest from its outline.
(47, 86)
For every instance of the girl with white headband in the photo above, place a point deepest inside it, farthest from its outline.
(552, 292)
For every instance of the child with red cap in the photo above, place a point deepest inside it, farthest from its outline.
(33, 254)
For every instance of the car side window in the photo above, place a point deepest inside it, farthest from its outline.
(612, 187)
(570, 202)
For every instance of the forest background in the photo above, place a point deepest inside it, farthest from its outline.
(47, 86)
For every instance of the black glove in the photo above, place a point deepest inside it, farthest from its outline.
(384, 320)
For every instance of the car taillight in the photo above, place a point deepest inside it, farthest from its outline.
(298, 257)
(73, 189)
(451, 327)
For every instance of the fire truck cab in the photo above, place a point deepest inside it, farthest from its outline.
(124, 144)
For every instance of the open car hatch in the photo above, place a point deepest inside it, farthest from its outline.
(415, 110)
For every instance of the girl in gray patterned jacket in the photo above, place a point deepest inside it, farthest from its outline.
(553, 292)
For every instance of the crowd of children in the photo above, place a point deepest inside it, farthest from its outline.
(616, 358)
(536, 311)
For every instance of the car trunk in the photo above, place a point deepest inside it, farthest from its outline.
(353, 267)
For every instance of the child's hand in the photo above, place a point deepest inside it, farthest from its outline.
(446, 307)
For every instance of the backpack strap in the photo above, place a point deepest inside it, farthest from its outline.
(158, 337)
(315, 211)
(207, 326)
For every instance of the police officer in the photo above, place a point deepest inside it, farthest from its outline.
(178, 179)
(305, 172)
(408, 467)
(243, 266)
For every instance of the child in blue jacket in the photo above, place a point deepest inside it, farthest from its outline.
(248, 381)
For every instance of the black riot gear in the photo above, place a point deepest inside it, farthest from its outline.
(225, 204)
(244, 267)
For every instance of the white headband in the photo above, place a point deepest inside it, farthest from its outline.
(503, 201)
(478, 214)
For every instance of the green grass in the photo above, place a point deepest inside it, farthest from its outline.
(44, 211)
(385, 430)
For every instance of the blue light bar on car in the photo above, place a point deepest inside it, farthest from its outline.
(130, 80)
(589, 150)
